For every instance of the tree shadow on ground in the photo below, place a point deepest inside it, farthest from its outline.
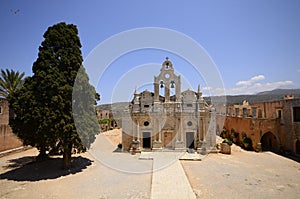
(287, 155)
(291, 157)
(117, 150)
(27, 169)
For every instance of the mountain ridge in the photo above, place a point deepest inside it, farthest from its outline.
(265, 96)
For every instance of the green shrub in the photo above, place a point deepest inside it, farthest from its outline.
(229, 142)
(234, 134)
(247, 143)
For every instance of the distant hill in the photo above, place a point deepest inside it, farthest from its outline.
(282, 92)
(265, 96)
(114, 106)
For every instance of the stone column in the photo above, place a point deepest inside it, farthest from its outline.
(133, 129)
(181, 130)
(157, 143)
(160, 132)
(158, 129)
(204, 129)
(178, 89)
(156, 92)
(138, 132)
(167, 92)
(197, 131)
(199, 128)
(179, 145)
(155, 128)
(178, 130)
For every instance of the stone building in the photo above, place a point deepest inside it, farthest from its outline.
(106, 120)
(173, 120)
(273, 125)
(7, 139)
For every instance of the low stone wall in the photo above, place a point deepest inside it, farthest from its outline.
(7, 139)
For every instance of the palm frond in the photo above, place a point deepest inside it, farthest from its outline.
(10, 81)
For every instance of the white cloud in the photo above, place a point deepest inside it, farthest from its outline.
(207, 88)
(243, 83)
(250, 81)
(259, 87)
(251, 86)
(257, 78)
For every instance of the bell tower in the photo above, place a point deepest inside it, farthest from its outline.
(167, 80)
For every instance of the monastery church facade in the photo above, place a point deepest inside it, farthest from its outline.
(178, 122)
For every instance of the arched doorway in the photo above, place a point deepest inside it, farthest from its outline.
(269, 142)
(298, 147)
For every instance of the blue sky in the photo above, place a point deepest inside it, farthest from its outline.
(255, 44)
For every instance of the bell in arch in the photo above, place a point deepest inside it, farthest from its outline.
(172, 84)
(161, 84)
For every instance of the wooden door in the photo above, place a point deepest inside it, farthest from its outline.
(168, 139)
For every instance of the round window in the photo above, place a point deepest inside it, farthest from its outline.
(190, 123)
(146, 123)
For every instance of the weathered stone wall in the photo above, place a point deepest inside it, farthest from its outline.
(7, 139)
(103, 114)
(269, 109)
(290, 127)
(4, 111)
(126, 141)
(254, 128)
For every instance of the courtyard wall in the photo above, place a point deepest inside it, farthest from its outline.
(8, 140)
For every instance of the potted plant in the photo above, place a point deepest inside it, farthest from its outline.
(225, 146)
(133, 150)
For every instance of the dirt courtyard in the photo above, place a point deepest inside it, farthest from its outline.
(88, 177)
(242, 174)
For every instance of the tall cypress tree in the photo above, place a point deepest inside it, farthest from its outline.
(48, 114)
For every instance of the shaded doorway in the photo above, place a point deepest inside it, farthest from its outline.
(146, 139)
(190, 140)
(298, 147)
(269, 142)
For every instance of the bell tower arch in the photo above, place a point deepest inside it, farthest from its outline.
(167, 79)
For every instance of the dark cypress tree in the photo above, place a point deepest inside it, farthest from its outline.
(43, 107)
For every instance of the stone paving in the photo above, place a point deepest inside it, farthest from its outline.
(168, 177)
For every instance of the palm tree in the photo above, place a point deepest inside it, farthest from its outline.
(10, 81)
(2, 93)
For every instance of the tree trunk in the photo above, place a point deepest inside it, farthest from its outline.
(67, 156)
(42, 155)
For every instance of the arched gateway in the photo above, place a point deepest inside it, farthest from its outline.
(269, 142)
